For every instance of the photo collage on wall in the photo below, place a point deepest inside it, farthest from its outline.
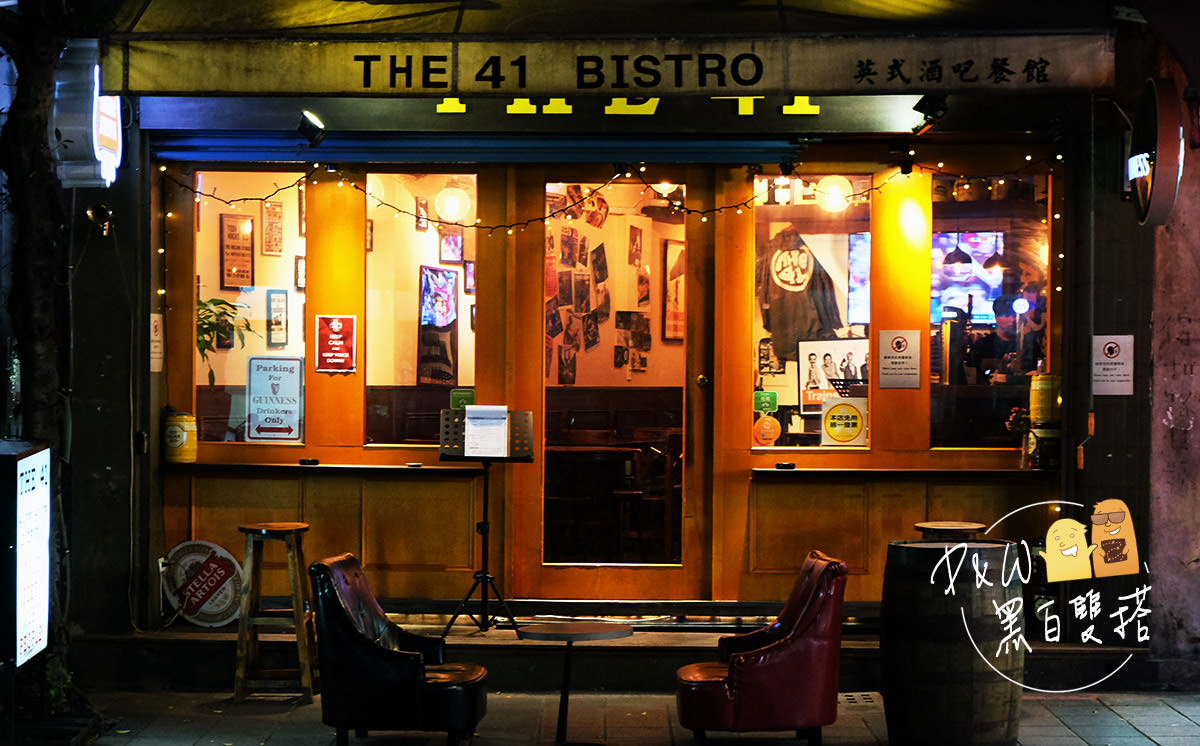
(575, 278)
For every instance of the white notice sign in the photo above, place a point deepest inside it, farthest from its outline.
(275, 399)
(1112, 364)
(486, 432)
(900, 359)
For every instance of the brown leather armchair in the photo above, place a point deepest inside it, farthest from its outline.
(377, 676)
(781, 677)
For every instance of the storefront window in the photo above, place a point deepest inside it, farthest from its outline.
(614, 272)
(420, 325)
(812, 310)
(988, 312)
(249, 305)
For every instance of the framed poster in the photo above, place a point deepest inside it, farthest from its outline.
(277, 318)
(301, 273)
(674, 278)
(421, 214)
(370, 235)
(469, 277)
(437, 340)
(450, 244)
(272, 229)
(237, 252)
(335, 344)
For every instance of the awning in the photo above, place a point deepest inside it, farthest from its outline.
(616, 48)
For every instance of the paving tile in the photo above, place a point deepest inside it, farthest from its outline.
(1154, 730)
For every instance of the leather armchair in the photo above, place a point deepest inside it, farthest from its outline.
(377, 676)
(781, 677)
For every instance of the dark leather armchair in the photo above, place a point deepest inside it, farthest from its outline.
(781, 677)
(375, 675)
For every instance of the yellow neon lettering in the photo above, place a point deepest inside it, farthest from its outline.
(557, 106)
(451, 106)
(745, 104)
(800, 105)
(521, 106)
(622, 106)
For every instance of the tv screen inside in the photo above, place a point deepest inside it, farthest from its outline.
(963, 281)
(858, 307)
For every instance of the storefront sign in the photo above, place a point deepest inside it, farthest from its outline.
(1156, 148)
(275, 399)
(1112, 365)
(844, 421)
(900, 359)
(31, 542)
(335, 344)
(85, 132)
(634, 67)
(204, 582)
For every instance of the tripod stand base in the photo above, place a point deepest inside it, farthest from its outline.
(483, 581)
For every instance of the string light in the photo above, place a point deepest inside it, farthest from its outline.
(620, 171)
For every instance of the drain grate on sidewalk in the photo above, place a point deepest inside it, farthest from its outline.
(860, 700)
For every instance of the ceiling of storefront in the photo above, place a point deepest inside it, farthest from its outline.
(535, 18)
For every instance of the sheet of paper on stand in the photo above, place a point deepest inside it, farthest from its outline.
(486, 433)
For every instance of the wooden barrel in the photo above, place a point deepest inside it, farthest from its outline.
(937, 688)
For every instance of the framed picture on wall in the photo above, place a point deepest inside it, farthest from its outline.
(277, 318)
(300, 206)
(237, 252)
(421, 214)
(450, 244)
(370, 238)
(301, 273)
(674, 279)
(468, 276)
(272, 239)
(437, 343)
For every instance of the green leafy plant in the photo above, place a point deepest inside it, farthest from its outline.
(217, 318)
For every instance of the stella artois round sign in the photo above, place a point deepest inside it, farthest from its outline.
(203, 583)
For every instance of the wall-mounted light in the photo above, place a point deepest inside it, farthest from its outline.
(663, 188)
(312, 128)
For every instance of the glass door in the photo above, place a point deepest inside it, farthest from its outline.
(614, 275)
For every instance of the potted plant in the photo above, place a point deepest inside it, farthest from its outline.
(218, 323)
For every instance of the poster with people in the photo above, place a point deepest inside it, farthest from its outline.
(829, 367)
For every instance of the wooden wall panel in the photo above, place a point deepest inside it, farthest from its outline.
(220, 505)
(894, 507)
(987, 503)
(788, 520)
(419, 537)
(333, 509)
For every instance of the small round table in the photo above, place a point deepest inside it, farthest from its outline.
(570, 633)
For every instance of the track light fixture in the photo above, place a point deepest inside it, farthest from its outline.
(312, 128)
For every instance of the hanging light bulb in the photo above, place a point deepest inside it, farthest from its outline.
(834, 192)
(452, 203)
(663, 188)
(957, 264)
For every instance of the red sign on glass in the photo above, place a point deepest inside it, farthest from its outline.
(335, 344)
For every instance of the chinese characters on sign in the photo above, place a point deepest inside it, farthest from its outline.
(1068, 556)
(1112, 364)
(900, 359)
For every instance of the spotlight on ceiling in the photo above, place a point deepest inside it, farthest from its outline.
(312, 128)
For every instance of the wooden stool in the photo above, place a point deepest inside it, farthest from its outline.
(299, 618)
(948, 530)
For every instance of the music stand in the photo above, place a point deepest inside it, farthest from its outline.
(520, 450)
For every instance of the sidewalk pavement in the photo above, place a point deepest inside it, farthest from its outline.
(211, 719)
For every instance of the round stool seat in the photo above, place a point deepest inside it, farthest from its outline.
(949, 530)
(273, 529)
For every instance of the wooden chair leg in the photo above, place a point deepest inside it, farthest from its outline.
(698, 734)
(811, 735)
(343, 737)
